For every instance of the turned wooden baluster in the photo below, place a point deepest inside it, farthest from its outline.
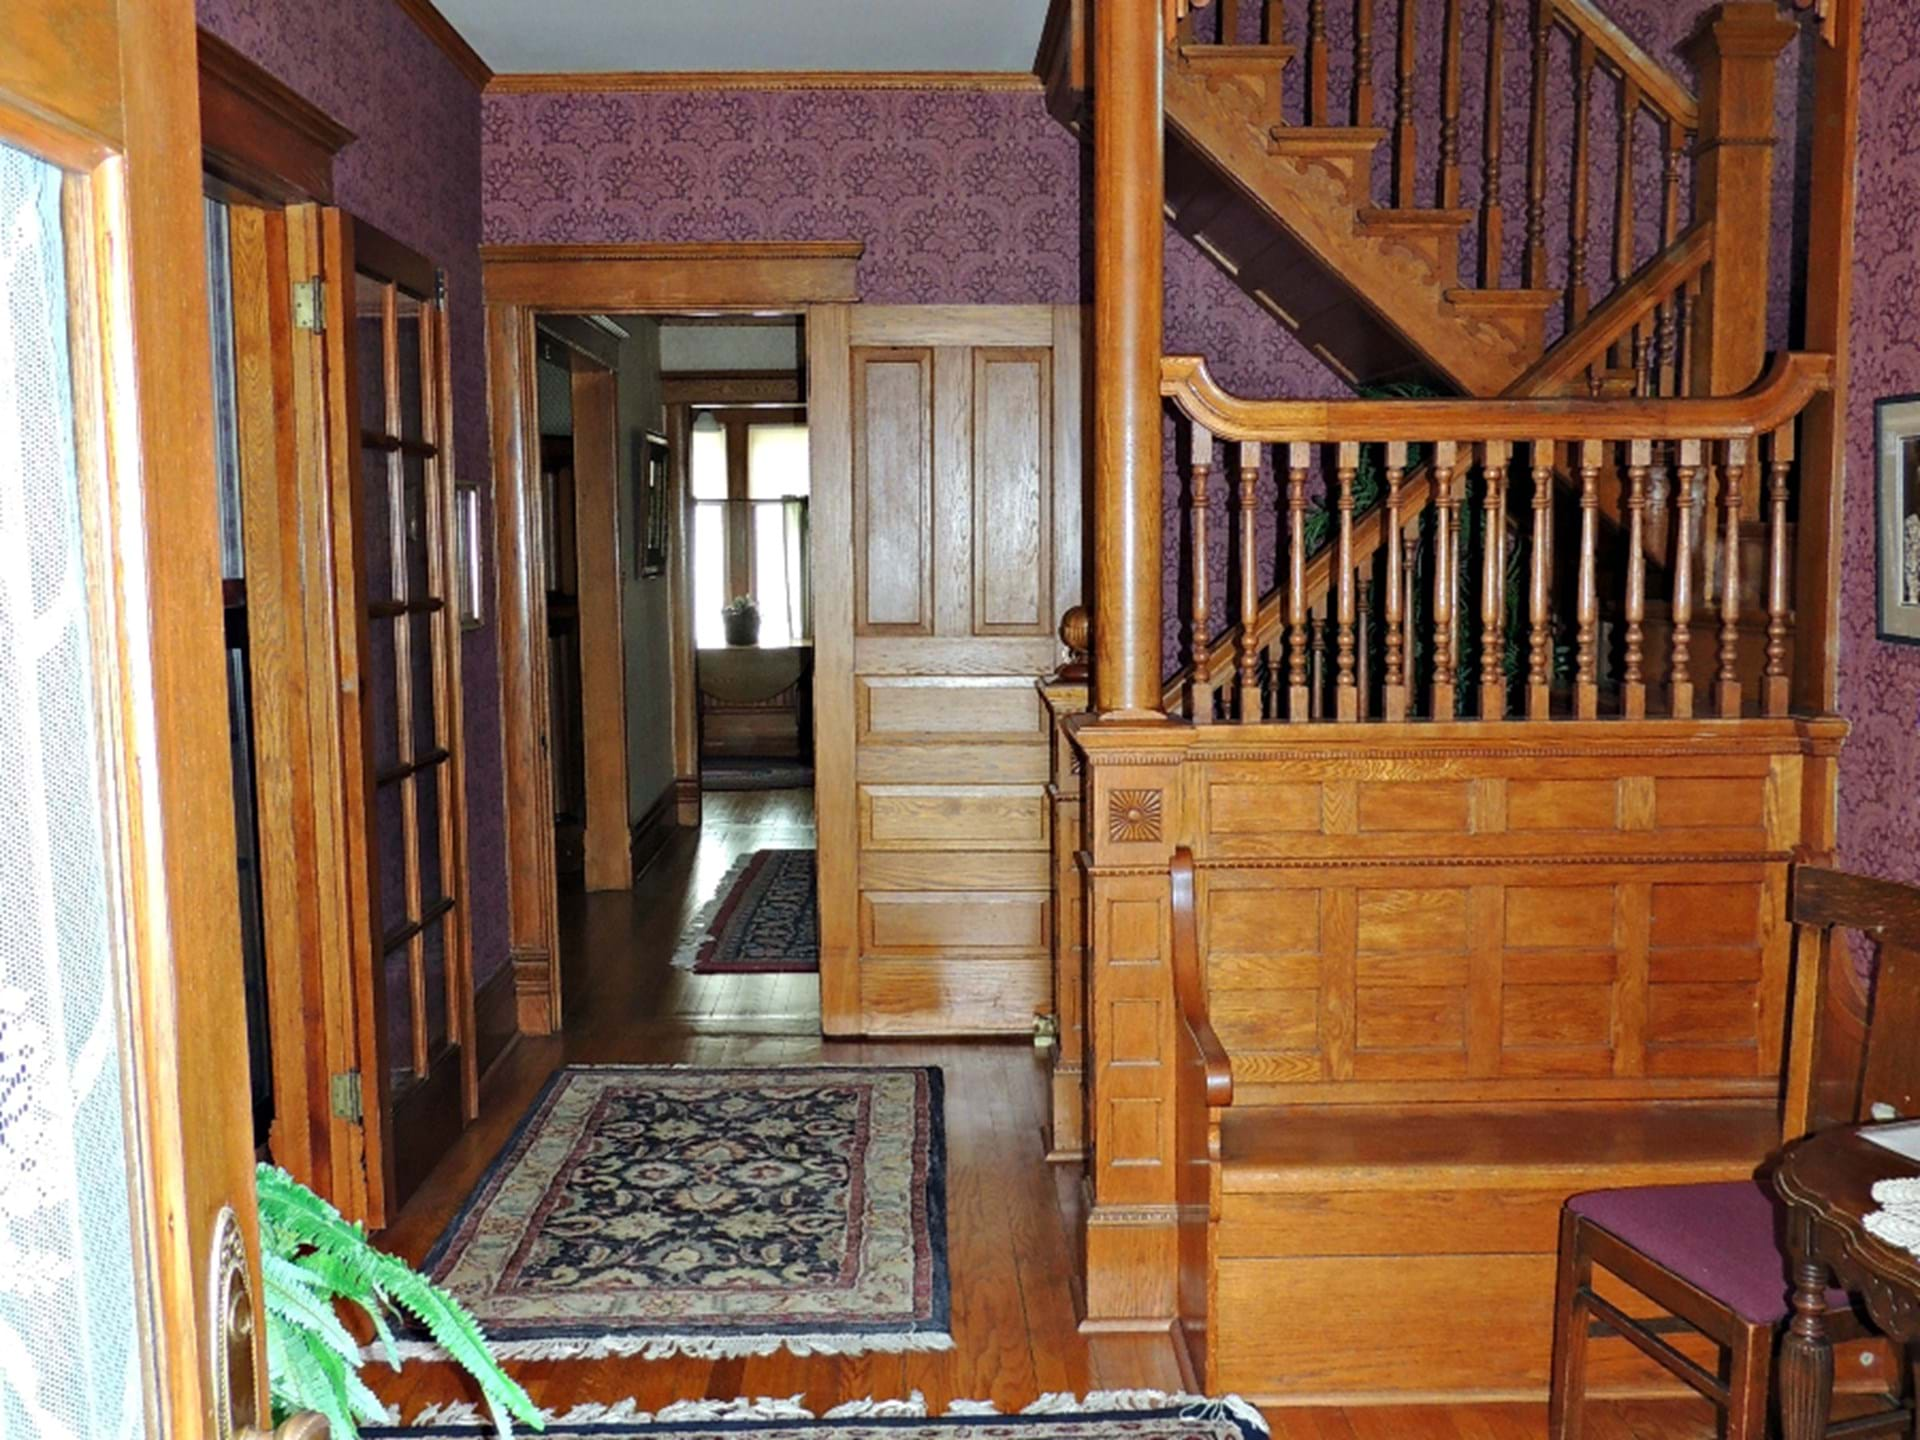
(1540, 588)
(1493, 580)
(1733, 471)
(1586, 687)
(1450, 111)
(1446, 508)
(1633, 692)
(1669, 313)
(1362, 639)
(1317, 57)
(1244, 501)
(1316, 663)
(1623, 217)
(1409, 576)
(1685, 541)
(1276, 23)
(1394, 695)
(1493, 221)
(1200, 681)
(1579, 296)
(1537, 139)
(1299, 457)
(1777, 680)
(1229, 21)
(1363, 62)
(1346, 698)
(1406, 136)
(1684, 361)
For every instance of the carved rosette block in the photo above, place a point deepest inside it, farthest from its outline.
(1133, 816)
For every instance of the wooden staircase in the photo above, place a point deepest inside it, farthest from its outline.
(1285, 201)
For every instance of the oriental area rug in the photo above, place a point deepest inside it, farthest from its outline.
(1105, 1415)
(662, 1210)
(764, 919)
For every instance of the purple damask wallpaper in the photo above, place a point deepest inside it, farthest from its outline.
(967, 197)
(1880, 682)
(413, 169)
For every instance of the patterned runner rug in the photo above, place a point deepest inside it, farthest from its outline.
(660, 1210)
(1105, 1415)
(763, 919)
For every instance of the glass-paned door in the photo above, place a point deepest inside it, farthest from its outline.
(68, 1282)
(411, 690)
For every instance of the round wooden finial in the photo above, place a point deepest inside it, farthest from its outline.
(1076, 633)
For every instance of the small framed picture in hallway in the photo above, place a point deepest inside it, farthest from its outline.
(651, 505)
(1897, 492)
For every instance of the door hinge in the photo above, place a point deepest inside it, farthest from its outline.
(310, 304)
(349, 1096)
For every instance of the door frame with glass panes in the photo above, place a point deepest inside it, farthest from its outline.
(129, 1113)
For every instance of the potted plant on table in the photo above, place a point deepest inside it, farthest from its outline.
(742, 619)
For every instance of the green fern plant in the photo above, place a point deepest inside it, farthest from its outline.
(310, 1260)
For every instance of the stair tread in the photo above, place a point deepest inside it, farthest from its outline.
(1238, 54)
(1326, 137)
(1414, 219)
(1514, 299)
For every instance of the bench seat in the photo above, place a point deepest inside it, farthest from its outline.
(1362, 1253)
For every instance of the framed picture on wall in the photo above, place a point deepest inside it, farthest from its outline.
(1897, 491)
(466, 557)
(653, 504)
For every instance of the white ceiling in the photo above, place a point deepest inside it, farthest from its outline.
(621, 35)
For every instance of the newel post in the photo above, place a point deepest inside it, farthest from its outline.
(1129, 188)
(1736, 51)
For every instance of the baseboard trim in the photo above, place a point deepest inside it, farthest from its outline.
(686, 790)
(496, 1021)
(653, 829)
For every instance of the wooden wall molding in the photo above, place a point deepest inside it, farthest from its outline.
(261, 134)
(754, 275)
(630, 81)
(436, 27)
(654, 828)
(732, 387)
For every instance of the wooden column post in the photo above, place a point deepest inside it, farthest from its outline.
(1829, 292)
(1736, 51)
(1129, 190)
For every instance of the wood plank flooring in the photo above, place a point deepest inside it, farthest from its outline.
(1009, 1222)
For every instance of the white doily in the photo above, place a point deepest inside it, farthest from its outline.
(1898, 1220)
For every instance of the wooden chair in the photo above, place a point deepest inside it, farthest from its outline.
(1710, 1254)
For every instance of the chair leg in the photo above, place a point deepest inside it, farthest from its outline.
(1750, 1383)
(1567, 1399)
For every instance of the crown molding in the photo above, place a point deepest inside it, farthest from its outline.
(542, 83)
(259, 132)
(436, 27)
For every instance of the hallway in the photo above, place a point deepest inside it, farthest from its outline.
(1010, 1216)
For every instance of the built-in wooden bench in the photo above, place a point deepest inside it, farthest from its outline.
(1371, 1250)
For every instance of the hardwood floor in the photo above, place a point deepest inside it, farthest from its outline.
(1010, 1214)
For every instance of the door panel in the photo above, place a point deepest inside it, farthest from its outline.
(960, 485)
(120, 959)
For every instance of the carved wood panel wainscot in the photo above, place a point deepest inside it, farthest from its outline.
(1429, 915)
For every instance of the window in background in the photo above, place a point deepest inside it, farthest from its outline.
(749, 477)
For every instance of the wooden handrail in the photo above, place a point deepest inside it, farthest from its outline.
(1782, 393)
(1618, 315)
(1189, 986)
(1658, 85)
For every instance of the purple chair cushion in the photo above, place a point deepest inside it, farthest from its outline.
(1721, 1238)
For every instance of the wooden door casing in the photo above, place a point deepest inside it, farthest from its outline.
(946, 446)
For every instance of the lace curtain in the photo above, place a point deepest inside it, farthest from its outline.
(69, 1352)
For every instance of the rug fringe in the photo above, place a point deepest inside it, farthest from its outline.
(914, 1406)
(686, 954)
(698, 1347)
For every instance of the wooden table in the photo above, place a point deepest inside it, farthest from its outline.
(1827, 1184)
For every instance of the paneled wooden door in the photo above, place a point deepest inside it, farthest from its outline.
(947, 484)
(387, 379)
